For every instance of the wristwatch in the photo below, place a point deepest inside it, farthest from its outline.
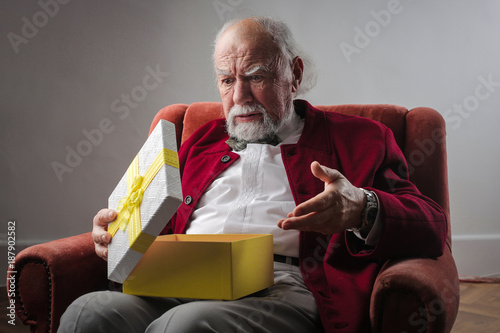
(369, 214)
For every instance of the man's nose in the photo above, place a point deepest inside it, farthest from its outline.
(242, 92)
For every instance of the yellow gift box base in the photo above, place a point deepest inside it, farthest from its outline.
(223, 266)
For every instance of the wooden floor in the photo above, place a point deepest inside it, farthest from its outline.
(479, 310)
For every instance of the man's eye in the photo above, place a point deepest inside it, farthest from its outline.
(226, 81)
(256, 77)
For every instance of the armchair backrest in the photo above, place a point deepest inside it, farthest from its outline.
(420, 133)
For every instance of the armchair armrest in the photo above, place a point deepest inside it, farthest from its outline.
(416, 295)
(51, 275)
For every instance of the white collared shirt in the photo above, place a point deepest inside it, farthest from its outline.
(252, 195)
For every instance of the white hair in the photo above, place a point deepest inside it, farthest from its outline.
(282, 36)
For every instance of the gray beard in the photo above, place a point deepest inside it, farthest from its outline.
(254, 131)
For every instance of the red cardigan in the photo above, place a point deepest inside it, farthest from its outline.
(339, 269)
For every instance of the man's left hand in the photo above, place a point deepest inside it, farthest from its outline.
(337, 208)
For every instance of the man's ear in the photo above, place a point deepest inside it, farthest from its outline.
(297, 71)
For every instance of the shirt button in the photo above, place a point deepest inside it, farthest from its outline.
(225, 159)
(188, 200)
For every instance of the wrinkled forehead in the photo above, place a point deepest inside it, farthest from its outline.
(245, 62)
(237, 52)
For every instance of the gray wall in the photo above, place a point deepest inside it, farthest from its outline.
(76, 76)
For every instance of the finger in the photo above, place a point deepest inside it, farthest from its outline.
(318, 222)
(315, 220)
(101, 237)
(102, 251)
(100, 226)
(318, 203)
(326, 198)
(325, 174)
(295, 223)
(104, 217)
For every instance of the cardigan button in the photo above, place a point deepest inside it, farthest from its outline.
(188, 200)
(225, 159)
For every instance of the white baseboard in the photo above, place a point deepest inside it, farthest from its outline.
(477, 255)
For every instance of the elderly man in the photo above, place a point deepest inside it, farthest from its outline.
(325, 185)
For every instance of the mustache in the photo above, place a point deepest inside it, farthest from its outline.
(238, 110)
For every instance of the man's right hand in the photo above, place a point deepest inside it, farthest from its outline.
(100, 233)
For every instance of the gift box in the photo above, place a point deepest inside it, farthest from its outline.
(145, 199)
(221, 266)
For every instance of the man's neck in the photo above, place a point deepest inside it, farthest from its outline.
(289, 127)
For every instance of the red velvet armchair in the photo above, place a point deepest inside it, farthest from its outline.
(410, 295)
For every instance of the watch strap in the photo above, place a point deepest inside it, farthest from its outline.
(369, 214)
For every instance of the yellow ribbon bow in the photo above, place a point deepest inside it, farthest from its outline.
(129, 207)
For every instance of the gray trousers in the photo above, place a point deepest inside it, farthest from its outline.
(287, 306)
